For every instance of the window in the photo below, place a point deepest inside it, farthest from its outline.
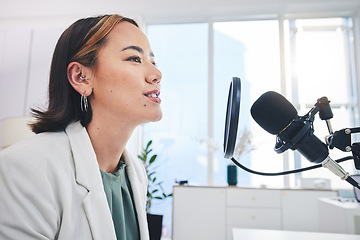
(181, 52)
(321, 53)
(249, 50)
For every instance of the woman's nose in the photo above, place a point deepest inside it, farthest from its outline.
(154, 76)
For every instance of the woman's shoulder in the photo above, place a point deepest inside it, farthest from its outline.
(37, 147)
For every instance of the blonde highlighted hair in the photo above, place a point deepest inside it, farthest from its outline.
(95, 38)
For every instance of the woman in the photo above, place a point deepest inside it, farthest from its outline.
(74, 179)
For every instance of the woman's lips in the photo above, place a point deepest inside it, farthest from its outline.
(153, 96)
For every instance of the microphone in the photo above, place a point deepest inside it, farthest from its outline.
(275, 114)
(278, 116)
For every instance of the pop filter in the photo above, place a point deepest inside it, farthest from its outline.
(232, 117)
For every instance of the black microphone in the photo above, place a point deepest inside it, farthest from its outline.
(277, 115)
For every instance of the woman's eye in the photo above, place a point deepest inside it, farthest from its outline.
(155, 64)
(134, 59)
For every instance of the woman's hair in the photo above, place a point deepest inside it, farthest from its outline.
(81, 43)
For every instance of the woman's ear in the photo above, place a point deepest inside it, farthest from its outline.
(78, 79)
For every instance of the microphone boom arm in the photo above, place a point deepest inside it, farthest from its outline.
(342, 140)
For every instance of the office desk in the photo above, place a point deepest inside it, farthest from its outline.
(256, 234)
(339, 216)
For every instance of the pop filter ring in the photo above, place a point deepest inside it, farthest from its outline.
(232, 117)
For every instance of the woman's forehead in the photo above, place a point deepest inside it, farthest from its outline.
(128, 34)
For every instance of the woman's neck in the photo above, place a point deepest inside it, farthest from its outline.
(109, 143)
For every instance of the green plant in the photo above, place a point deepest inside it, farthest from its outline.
(155, 189)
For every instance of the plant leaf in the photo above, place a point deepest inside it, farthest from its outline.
(159, 184)
(152, 159)
(148, 145)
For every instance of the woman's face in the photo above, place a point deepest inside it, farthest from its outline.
(125, 81)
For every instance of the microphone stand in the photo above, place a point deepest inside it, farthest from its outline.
(340, 139)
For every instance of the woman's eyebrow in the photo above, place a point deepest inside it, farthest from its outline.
(138, 49)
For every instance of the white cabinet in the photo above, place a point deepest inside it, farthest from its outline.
(244, 197)
(200, 213)
(212, 212)
(251, 208)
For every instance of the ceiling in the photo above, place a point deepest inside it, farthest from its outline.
(169, 10)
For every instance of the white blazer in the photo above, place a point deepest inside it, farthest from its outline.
(51, 188)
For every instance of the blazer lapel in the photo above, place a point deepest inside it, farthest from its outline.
(138, 179)
(98, 215)
(88, 175)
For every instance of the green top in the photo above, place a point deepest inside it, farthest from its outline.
(119, 196)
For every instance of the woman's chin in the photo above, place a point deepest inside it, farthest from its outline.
(155, 116)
